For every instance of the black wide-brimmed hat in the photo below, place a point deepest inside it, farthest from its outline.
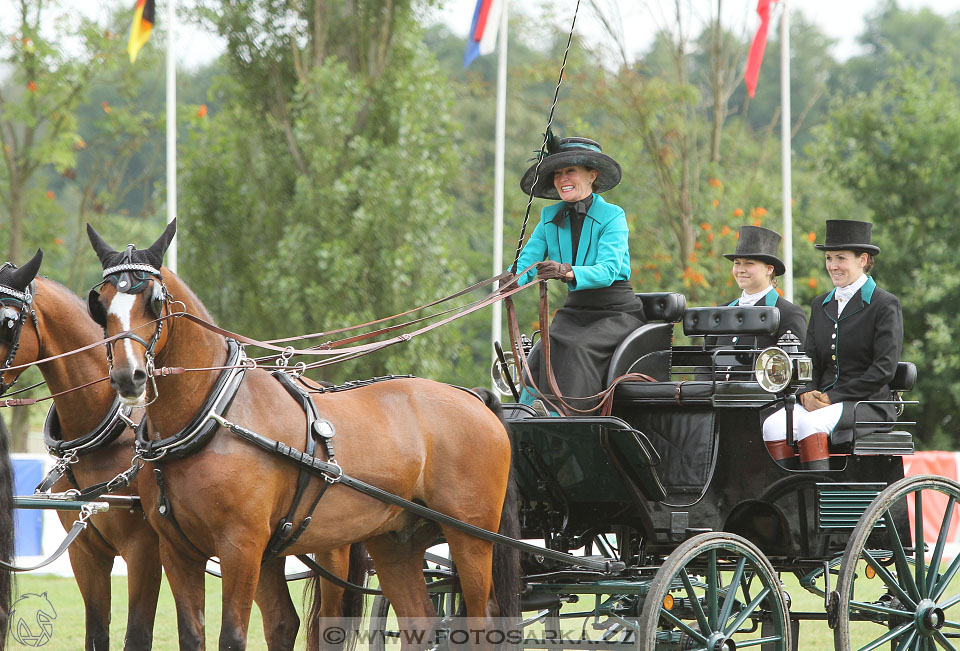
(848, 235)
(568, 152)
(759, 243)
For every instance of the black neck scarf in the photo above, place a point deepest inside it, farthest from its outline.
(577, 212)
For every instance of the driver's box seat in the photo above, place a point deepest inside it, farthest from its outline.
(647, 349)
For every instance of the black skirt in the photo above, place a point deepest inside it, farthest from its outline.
(583, 336)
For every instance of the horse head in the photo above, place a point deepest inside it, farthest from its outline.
(18, 336)
(131, 302)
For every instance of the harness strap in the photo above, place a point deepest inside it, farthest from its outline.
(165, 510)
(75, 531)
(282, 537)
(334, 579)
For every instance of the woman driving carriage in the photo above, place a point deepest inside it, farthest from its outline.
(582, 241)
(854, 340)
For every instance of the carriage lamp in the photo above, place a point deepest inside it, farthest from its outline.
(503, 373)
(773, 369)
(804, 369)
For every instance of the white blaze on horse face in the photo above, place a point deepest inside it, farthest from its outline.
(120, 307)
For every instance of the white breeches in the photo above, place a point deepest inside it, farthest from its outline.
(805, 422)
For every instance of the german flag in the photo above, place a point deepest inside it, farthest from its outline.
(143, 15)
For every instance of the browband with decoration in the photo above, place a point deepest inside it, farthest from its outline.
(22, 296)
(131, 266)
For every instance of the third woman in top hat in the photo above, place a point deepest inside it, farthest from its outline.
(755, 269)
(854, 340)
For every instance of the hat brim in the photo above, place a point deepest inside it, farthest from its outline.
(778, 267)
(609, 172)
(869, 248)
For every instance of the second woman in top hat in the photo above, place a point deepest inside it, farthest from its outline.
(582, 241)
(755, 269)
(854, 339)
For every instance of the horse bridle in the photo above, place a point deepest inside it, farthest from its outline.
(12, 320)
(120, 276)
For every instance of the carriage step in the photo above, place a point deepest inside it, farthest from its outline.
(884, 443)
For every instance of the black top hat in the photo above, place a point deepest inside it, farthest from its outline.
(567, 152)
(758, 243)
(848, 235)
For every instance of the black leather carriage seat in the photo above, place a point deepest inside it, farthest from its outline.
(647, 349)
(699, 322)
(895, 443)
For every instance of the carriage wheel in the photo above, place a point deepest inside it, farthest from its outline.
(902, 592)
(715, 592)
(384, 633)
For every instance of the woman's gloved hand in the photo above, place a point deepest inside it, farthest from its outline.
(550, 270)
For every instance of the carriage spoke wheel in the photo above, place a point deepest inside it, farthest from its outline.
(715, 592)
(904, 591)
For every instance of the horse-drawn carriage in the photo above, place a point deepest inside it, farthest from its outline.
(668, 515)
(678, 486)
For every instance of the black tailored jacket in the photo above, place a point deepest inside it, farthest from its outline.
(855, 356)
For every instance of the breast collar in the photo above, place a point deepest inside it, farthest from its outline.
(202, 428)
(104, 434)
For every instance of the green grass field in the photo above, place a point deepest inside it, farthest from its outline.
(68, 627)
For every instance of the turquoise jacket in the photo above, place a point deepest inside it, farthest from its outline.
(603, 255)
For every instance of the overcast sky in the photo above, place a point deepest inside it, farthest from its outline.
(842, 19)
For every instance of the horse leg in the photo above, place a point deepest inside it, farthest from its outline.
(474, 560)
(326, 608)
(240, 565)
(399, 565)
(280, 619)
(185, 574)
(91, 568)
(142, 555)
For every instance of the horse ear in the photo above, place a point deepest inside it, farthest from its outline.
(103, 249)
(158, 248)
(25, 274)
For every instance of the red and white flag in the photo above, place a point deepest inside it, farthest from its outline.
(755, 57)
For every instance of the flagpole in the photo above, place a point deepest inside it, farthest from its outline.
(786, 124)
(501, 130)
(171, 255)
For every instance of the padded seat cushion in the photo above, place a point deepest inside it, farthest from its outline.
(731, 320)
(663, 306)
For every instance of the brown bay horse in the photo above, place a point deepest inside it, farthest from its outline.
(63, 325)
(421, 440)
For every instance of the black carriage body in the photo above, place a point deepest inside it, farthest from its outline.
(680, 457)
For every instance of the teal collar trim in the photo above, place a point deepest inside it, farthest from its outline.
(769, 299)
(866, 292)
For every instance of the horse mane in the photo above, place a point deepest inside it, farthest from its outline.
(6, 528)
(200, 310)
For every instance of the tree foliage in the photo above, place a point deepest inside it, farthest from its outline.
(894, 148)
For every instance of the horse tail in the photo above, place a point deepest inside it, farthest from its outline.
(351, 604)
(506, 560)
(6, 529)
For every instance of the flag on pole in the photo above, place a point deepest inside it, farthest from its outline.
(755, 57)
(143, 17)
(482, 38)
